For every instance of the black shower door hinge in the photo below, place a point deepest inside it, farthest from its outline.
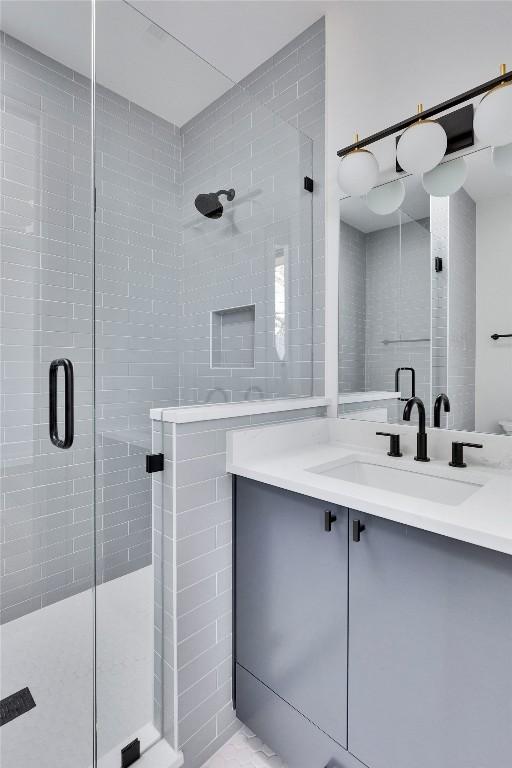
(130, 754)
(308, 184)
(154, 462)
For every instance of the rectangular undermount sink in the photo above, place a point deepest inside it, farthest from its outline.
(421, 485)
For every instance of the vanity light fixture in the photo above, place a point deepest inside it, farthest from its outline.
(387, 198)
(446, 179)
(422, 146)
(502, 159)
(493, 116)
(358, 171)
(497, 104)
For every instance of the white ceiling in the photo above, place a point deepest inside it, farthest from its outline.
(137, 59)
(236, 36)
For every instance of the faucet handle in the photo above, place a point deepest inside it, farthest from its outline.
(394, 443)
(458, 453)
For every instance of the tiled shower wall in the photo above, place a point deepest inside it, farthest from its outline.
(352, 310)
(145, 290)
(160, 270)
(47, 546)
(193, 504)
(46, 270)
(385, 295)
(462, 310)
(239, 142)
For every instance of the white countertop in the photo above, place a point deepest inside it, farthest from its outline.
(282, 455)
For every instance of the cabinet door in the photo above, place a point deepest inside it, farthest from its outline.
(430, 660)
(291, 600)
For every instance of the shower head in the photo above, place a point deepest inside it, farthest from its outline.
(209, 204)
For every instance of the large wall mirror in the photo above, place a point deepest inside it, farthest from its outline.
(425, 297)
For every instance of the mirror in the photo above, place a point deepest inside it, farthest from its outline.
(425, 296)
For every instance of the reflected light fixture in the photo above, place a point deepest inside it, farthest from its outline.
(502, 159)
(446, 179)
(358, 171)
(421, 146)
(387, 198)
(493, 116)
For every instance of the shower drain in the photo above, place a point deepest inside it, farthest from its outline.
(15, 705)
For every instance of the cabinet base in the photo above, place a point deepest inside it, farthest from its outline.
(295, 739)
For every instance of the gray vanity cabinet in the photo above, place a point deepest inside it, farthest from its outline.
(430, 659)
(291, 604)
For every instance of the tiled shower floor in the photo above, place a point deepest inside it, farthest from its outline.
(50, 651)
(245, 749)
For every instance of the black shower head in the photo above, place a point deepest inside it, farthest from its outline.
(209, 204)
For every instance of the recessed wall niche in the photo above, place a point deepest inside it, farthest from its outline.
(232, 337)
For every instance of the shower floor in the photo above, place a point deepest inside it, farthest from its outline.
(50, 651)
(245, 750)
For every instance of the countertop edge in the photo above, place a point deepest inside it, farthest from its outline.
(443, 528)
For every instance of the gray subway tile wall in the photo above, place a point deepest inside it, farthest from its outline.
(46, 534)
(454, 306)
(385, 295)
(148, 288)
(439, 229)
(47, 313)
(153, 271)
(138, 185)
(239, 141)
(201, 509)
(462, 310)
(352, 310)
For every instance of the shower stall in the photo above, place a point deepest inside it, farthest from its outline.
(121, 292)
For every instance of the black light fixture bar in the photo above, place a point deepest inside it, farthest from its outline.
(427, 113)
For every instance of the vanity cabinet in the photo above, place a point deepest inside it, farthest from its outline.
(422, 623)
(291, 601)
(430, 660)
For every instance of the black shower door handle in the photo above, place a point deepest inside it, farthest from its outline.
(69, 403)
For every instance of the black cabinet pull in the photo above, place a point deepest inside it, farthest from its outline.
(357, 529)
(329, 520)
(69, 404)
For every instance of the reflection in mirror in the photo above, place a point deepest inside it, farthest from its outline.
(423, 296)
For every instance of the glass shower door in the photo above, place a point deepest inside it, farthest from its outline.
(46, 387)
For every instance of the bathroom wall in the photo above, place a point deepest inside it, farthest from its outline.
(493, 313)
(47, 544)
(357, 100)
(352, 312)
(238, 141)
(385, 295)
(440, 248)
(193, 504)
(462, 310)
(398, 296)
(46, 269)
(160, 269)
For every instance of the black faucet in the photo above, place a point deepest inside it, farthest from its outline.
(441, 400)
(458, 453)
(421, 440)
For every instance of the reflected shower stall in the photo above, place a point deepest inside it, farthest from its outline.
(156, 250)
